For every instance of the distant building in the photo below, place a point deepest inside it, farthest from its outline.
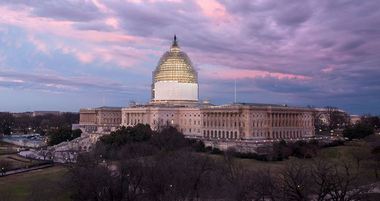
(175, 103)
(101, 119)
(354, 119)
(21, 114)
(42, 113)
(331, 117)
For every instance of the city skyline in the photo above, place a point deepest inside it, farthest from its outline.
(64, 55)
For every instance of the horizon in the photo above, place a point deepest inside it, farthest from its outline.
(67, 55)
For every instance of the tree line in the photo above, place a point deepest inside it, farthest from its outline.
(366, 126)
(38, 124)
(136, 163)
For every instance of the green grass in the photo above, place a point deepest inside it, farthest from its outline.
(18, 187)
(335, 152)
(8, 152)
(349, 152)
(339, 153)
(45, 183)
(6, 148)
(17, 161)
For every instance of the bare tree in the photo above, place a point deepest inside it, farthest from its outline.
(177, 176)
(360, 154)
(245, 184)
(375, 163)
(89, 180)
(336, 118)
(321, 172)
(239, 180)
(6, 196)
(130, 180)
(346, 184)
(4, 167)
(295, 182)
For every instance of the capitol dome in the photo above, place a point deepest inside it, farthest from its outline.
(174, 78)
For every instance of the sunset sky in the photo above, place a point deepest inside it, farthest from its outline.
(69, 54)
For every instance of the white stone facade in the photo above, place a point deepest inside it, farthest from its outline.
(175, 91)
(237, 121)
(102, 119)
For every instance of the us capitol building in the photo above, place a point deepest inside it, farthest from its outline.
(175, 102)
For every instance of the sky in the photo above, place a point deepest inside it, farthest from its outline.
(71, 54)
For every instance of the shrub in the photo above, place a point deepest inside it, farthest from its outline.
(358, 131)
(124, 135)
(169, 139)
(216, 151)
(197, 145)
(63, 134)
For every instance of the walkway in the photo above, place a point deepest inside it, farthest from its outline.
(25, 170)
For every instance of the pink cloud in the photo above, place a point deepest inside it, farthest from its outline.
(327, 69)
(39, 44)
(231, 74)
(112, 22)
(103, 8)
(5, 79)
(214, 10)
(24, 19)
(85, 57)
(86, 45)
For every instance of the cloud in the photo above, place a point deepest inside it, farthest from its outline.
(214, 10)
(59, 10)
(48, 35)
(39, 44)
(221, 73)
(59, 83)
(293, 13)
(318, 49)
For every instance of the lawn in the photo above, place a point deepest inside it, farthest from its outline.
(353, 152)
(19, 187)
(6, 148)
(44, 184)
(8, 153)
(17, 161)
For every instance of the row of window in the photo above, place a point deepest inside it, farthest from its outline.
(291, 123)
(262, 123)
(118, 114)
(222, 123)
(182, 115)
(194, 122)
(190, 130)
(134, 115)
(222, 115)
(112, 120)
(133, 121)
(278, 134)
(287, 134)
(220, 134)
